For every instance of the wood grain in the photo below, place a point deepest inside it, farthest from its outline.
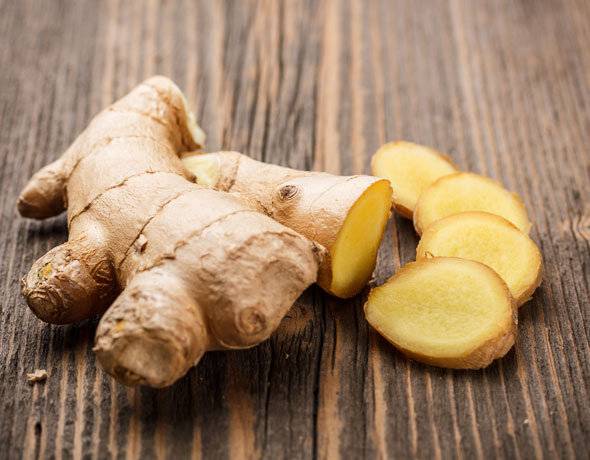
(503, 86)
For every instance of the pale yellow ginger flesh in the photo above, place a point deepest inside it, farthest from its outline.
(205, 167)
(445, 312)
(355, 251)
(462, 192)
(345, 214)
(491, 240)
(410, 168)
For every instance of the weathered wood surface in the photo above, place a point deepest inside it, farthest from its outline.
(503, 86)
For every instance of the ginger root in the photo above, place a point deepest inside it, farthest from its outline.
(346, 215)
(186, 269)
(445, 312)
(491, 240)
(462, 192)
(410, 168)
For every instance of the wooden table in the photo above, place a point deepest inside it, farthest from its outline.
(503, 86)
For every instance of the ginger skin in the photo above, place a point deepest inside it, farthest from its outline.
(345, 214)
(179, 269)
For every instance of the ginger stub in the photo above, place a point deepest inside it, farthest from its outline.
(491, 240)
(410, 168)
(446, 312)
(461, 192)
(345, 214)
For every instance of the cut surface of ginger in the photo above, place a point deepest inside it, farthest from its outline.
(410, 168)
(205, 167)
(446, 312)
(354, 253)
(491, 240)
(462, 192)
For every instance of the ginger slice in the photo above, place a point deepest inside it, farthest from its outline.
(446, 312)
(462, 192)
(410, 168)
(491, 240)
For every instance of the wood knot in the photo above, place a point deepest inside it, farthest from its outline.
(288, 192)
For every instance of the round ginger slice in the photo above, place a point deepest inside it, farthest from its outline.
(410, 168)
(461, 192)
(491, 240)
(446, 312)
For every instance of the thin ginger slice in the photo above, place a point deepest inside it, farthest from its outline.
(462, 192)
(410, 168)
(491, 240)
(446, 312)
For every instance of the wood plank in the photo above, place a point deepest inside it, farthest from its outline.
(502, 86)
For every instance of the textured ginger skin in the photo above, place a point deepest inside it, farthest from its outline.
(314, 204)
(189, 269)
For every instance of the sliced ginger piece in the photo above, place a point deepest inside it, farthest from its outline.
(410, 168)
(446, 312)
(462, 192)
(491, 240)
